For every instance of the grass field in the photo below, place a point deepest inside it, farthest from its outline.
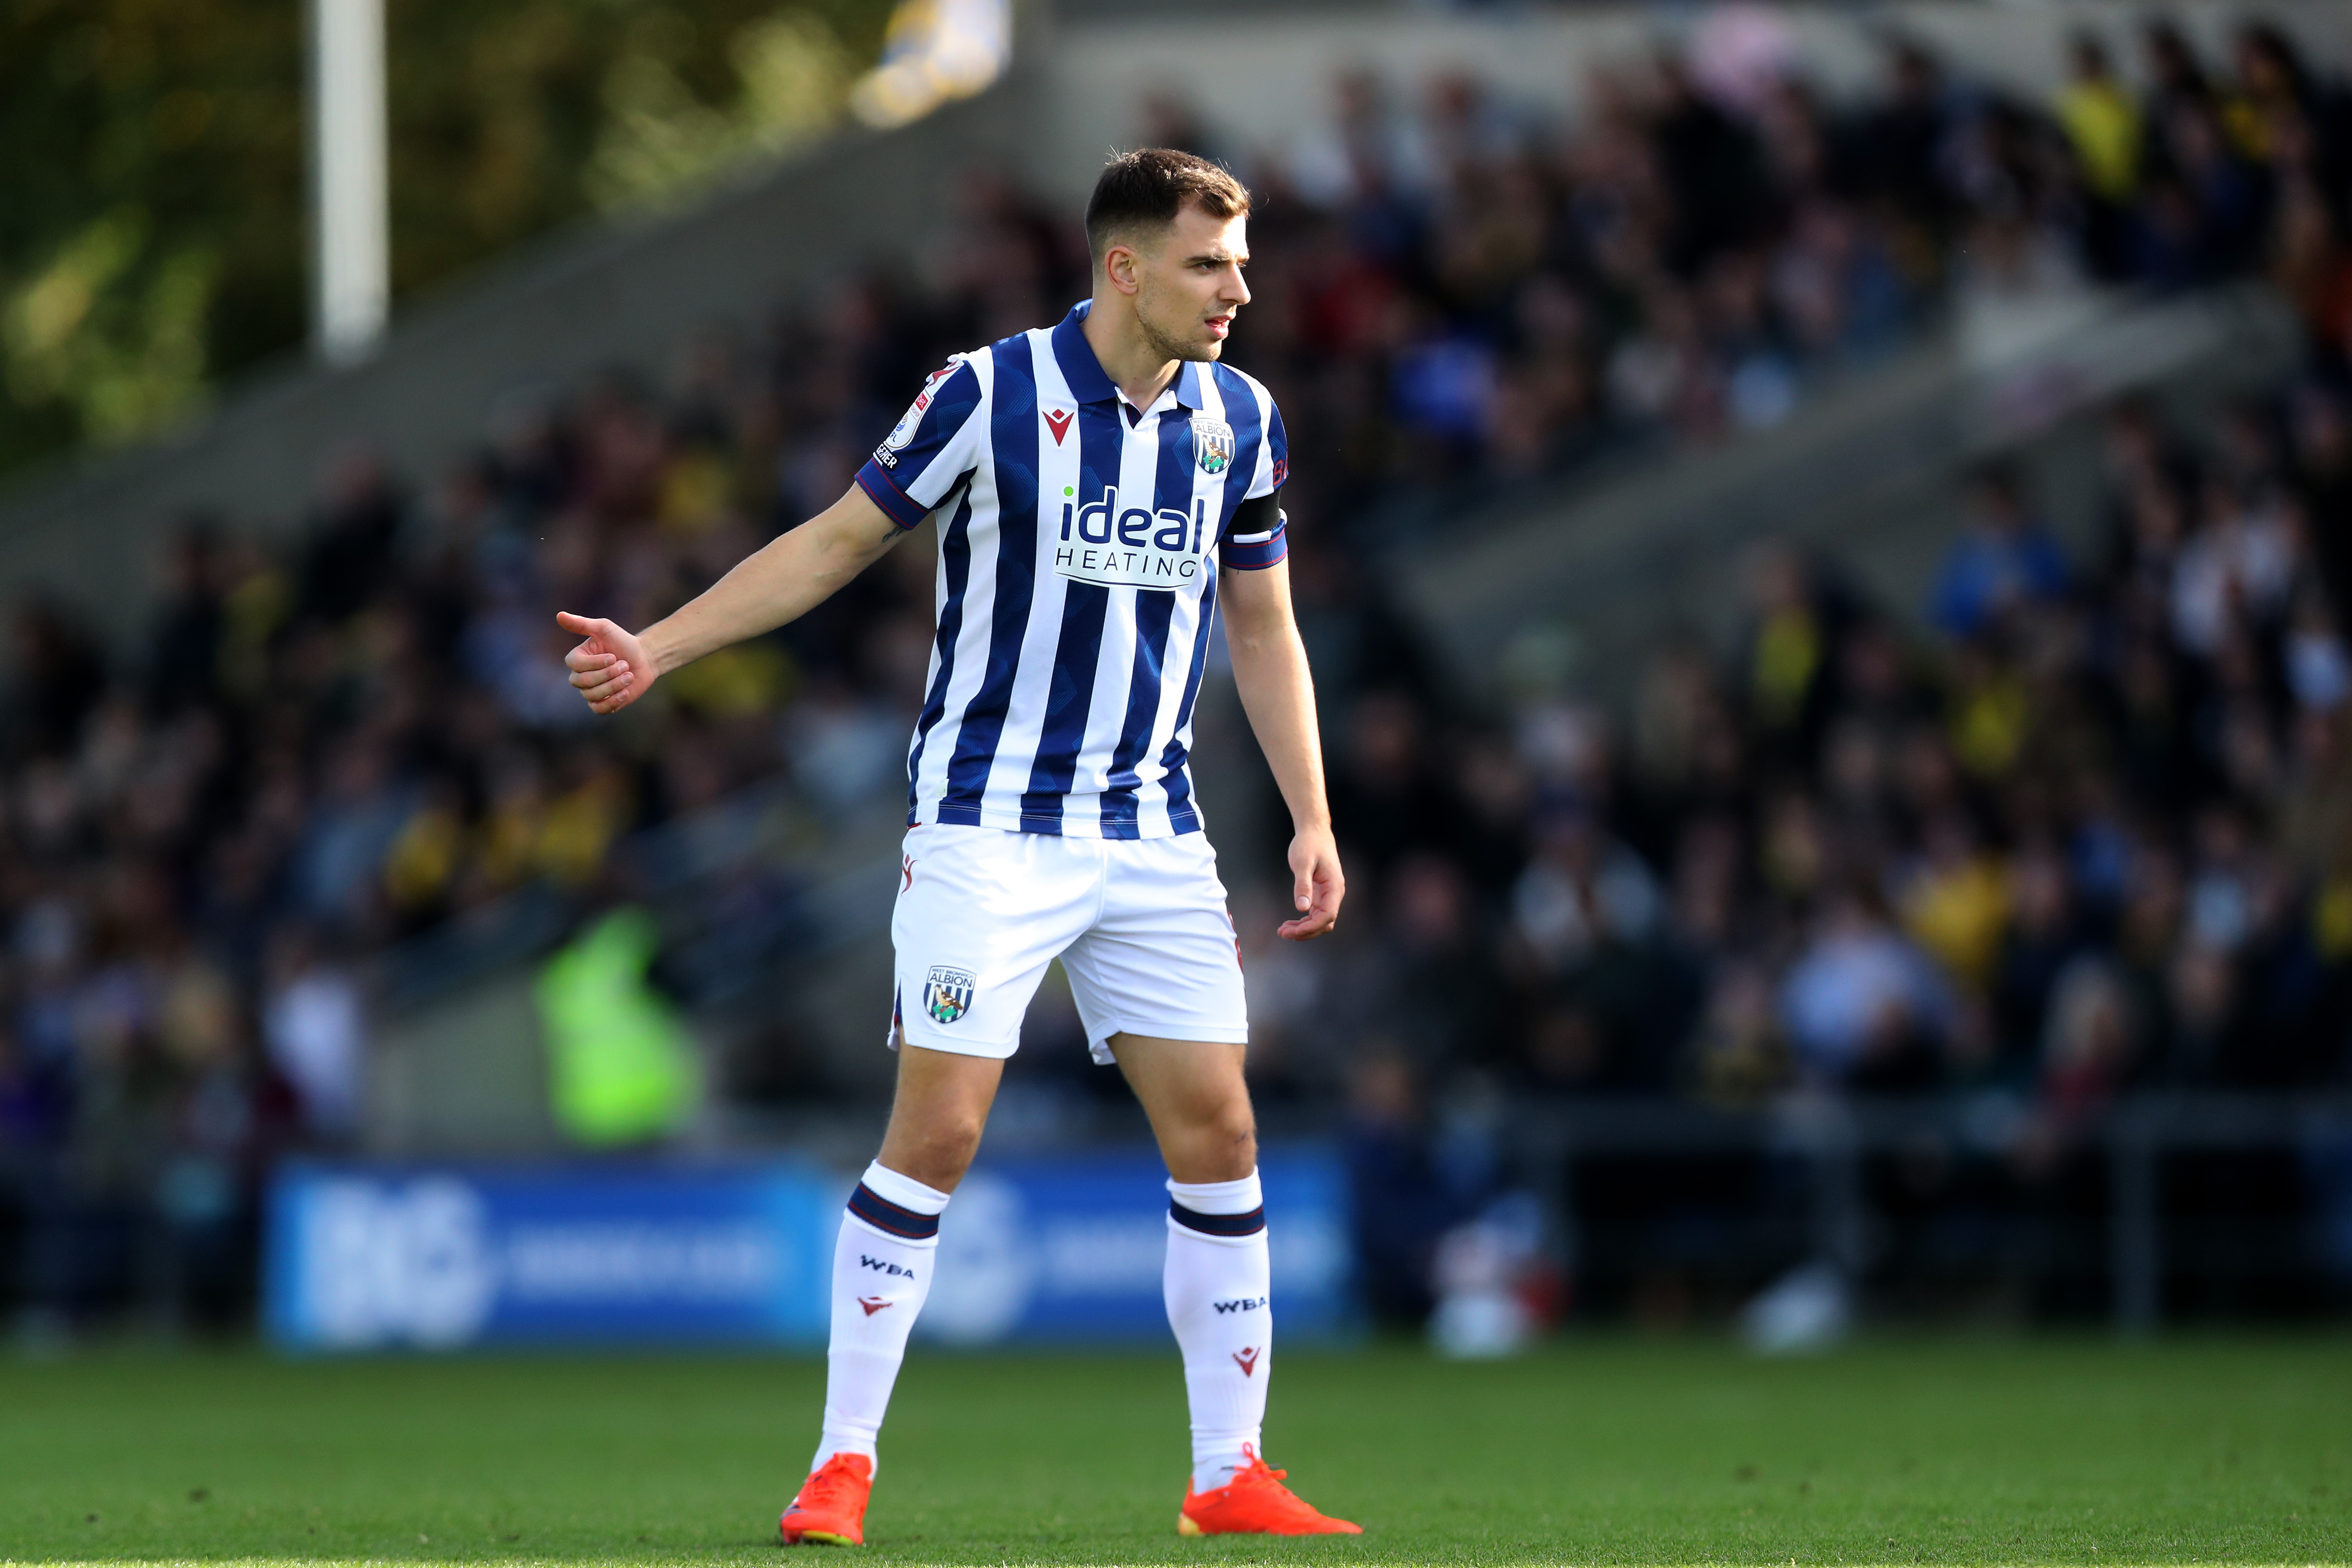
(1595, 1452)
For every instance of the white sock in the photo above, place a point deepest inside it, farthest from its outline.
(1216, 1286)
(881, 1272)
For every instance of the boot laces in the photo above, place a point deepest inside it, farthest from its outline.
(827, 1485)
(1258, 1466)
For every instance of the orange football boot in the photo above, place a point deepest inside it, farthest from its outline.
(830, 1510)
(1256, 1502)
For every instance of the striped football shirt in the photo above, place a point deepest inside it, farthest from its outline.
(1079, 539)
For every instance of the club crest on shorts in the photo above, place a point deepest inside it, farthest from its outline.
(947, 994)
(1212, 444)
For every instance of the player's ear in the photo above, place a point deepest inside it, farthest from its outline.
(1122, 265)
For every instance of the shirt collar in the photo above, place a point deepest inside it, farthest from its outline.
(1089, 382)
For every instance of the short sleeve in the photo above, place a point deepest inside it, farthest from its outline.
(1274, 463)
(931, 450)
(1255, 540)
(1253, 537)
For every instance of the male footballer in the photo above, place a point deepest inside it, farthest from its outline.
(1101, 487)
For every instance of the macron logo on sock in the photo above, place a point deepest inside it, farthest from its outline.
(872, 1304)
(1246, 1360)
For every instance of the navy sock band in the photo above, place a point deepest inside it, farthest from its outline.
(1249, 1224)
(885, 1216)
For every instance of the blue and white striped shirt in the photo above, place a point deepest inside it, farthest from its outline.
(1079, 542)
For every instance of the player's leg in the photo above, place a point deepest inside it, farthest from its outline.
(882, 1261)
(936, 1114)
(1198, 1102)
(981, 913)
(1217, 1281)
(1158, 985)
(882, 1258)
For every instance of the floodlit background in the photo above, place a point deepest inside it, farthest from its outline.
(1825, 537)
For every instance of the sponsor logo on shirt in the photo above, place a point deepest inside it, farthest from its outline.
(1129, 547)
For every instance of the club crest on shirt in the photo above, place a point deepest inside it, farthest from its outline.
(947, 994)
(1212, 444)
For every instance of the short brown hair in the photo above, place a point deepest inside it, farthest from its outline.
(1148, 187)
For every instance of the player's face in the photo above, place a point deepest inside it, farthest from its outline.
(1189, 287)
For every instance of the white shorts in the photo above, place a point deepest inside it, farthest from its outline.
(1139, 925)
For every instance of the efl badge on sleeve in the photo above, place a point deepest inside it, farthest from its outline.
(904, 431)
(1212, 444)
(947, 994)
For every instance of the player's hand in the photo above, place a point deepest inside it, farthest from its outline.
(1317, 885)
(611, 669)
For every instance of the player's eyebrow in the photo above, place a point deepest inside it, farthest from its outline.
(1219, 256)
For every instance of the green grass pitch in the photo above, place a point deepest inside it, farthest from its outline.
(1594, 1451)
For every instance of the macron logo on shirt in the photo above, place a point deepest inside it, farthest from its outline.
(1058, 421)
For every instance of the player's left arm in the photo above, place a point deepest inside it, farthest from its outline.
(1277, 691)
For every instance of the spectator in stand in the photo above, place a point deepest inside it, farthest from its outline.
(1864, 1007)
(2107, 136)
(2003, 561)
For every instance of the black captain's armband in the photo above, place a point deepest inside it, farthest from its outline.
(1255, 519)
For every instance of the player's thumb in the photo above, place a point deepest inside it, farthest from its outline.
(580, 626)
(1302, 890)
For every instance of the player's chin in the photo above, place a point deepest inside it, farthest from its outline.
(1212, 343)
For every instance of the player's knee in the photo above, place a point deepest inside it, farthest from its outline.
(1223, 1141)
(1237, 1131)
(950, 1141)
(935, 1150)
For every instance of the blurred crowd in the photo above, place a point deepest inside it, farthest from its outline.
(1454, 291)
(2087, 835)
(2091, 839)
(2094, 833)
(2084, 838)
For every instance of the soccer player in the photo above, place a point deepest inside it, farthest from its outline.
(1101, 487)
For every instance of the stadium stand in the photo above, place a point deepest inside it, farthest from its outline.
(2085, 835)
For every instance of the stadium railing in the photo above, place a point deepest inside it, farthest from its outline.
(2118, 1157)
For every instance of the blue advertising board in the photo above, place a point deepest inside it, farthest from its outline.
(1042, 1250)
(363, 1257)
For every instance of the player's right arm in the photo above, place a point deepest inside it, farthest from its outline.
(932, 450)
(781, 581)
